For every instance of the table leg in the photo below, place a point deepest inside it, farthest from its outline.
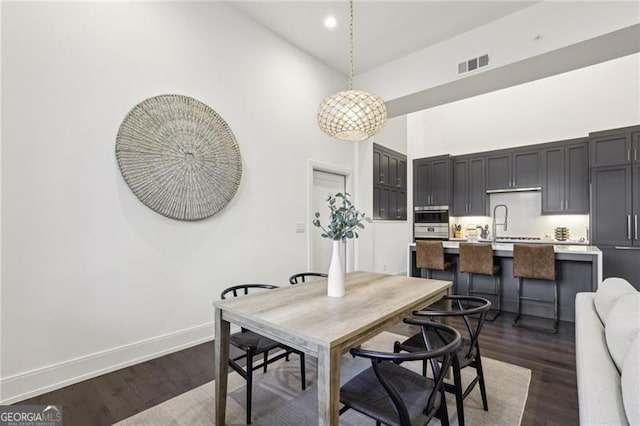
(221, 365)
(447, 306)
(328, 386)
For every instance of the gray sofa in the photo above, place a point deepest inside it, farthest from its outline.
(608, 354)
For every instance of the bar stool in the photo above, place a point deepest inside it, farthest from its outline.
(430, 256)
(536, 262)
(477, 258)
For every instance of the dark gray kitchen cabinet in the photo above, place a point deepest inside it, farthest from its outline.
(389, 184)
(611, 205)
(432, 181)
(526, 169)
(615, 200)
(469, 186)
(614, 147)
(565, 177)
(513, 169)
(499, 171)
(623, 263)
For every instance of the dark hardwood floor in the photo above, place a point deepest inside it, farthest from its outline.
(115, 396)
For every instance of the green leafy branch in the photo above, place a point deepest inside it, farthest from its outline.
(345, 219)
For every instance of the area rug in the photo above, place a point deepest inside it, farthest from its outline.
(278, 399)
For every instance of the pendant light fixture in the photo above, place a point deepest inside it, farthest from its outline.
(352, 115)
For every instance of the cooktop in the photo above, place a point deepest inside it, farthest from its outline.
(518, 238)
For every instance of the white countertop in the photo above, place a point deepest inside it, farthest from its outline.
(541, 241)
(559, 248)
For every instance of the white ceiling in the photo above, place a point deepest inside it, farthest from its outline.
(383, 30)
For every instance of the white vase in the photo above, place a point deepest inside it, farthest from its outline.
(335, 287)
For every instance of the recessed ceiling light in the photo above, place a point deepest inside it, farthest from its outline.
(330, 22)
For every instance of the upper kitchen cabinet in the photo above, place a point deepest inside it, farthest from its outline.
(389, 184)
(615, 147)
(469, 186)
(565, 177)
(513, 169)
(432, 180)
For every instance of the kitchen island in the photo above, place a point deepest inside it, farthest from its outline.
(579, 268)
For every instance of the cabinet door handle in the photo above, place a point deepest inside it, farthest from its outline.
(399, 182)
(628, 227)
(561, 202)
(635, 155)
(626, 248)
(628, 155)
(381, 178)
(635, 218)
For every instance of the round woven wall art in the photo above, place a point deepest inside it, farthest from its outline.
(179, 157)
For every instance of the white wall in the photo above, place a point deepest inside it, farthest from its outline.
(506, 40)
(383, 247)
(564, 106)
(91, 278)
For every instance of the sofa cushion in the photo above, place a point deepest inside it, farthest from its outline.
(622, 326)
(630, 381)
(608, 293)
(599, 391)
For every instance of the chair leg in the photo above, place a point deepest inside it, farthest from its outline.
(265, 357)
(480, 373)
(518, 296)
(443, 413)
(457, 381)
(555, 307)
(303, 371)
(498, 282)
(497, 289)
(249, 384)
(454, 279)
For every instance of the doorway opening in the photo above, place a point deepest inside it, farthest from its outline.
(325, 180)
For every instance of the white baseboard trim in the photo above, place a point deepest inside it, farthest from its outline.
(46, 379)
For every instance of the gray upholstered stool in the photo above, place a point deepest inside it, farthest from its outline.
(536, 262)
(430, 256)
(477, 258)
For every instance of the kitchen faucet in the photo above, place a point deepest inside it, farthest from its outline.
(493, 227)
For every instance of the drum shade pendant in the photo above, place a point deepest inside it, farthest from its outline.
(352, 115)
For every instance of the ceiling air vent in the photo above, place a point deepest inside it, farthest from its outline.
(473, 64)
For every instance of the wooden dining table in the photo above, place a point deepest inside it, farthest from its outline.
(305, 318)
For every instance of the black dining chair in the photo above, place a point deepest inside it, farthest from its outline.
(395, 395)
(253, 344)
(473, 311)
(303, 276)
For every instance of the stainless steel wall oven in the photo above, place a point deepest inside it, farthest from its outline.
(431, 222)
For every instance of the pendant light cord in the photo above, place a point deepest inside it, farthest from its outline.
(351, 45)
